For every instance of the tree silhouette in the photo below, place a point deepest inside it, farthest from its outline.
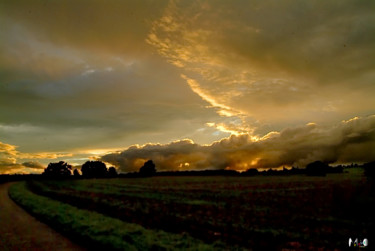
(148, 169)
(251, 172)
(112, 172)
(58, 169)
(317, 168)
(369, 169)
(76, 173)
(94, 169)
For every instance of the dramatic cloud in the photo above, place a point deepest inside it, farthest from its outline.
(76, 76)
(8, 161)
(349, 141)
(7, 156)
(79, 82)
(10, 157)
(275, 61)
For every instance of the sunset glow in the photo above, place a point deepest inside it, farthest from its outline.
(191, 85)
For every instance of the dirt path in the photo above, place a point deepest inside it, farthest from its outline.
(20, 231)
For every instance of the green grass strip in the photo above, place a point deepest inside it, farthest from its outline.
(85, 226)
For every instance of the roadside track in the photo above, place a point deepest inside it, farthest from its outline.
(21, 231)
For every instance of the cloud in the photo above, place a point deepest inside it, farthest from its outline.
(195, 87)
(33, 165)
(266, 59)
(79, 88)
(10, 159)
(105, 75)
(349, 141)
(43, 155)
(8, 155)
(102, 27)
(8, 149)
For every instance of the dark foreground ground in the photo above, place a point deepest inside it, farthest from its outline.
(20, 231)
(295, 212)
(274, 213)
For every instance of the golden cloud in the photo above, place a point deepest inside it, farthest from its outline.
(249, 61)
(348, 141)
(9, 158)
(43, 155)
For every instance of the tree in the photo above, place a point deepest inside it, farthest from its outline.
(112, 172)
(94, 169)
(76, 173)
(369, 169)
(148, 169)
(251, 172)
(58, 169)
(317, 168)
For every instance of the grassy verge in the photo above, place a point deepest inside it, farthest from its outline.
(243, 211)
(85, 226)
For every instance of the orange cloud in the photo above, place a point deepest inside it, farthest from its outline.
(7, 149)
(10, 157)
(43, 155)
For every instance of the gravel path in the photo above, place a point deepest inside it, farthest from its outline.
(21, 231)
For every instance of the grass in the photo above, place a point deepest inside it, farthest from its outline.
(242, 212)
(86, 226)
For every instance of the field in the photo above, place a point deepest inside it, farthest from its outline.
(271, 212)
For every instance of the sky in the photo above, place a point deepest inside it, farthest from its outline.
(191, 85)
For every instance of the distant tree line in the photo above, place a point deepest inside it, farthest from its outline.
(317, 168)
(90, 169)
(98, 169)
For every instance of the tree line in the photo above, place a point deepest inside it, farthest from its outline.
(98, 169)
(92, 169)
